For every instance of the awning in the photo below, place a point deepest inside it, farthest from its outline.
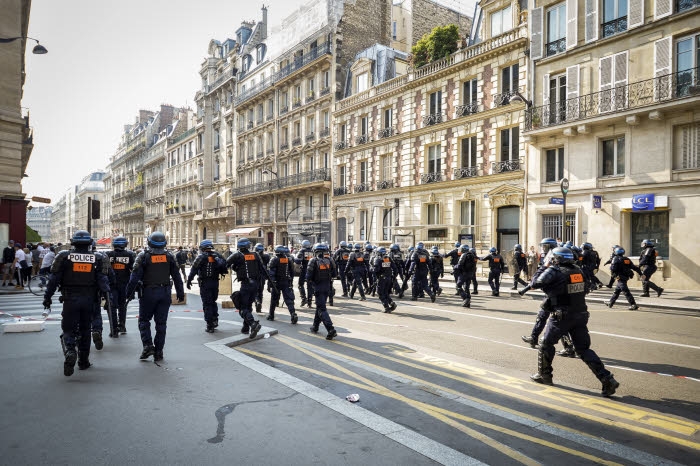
(224, 191)
(103, 241)
(242, 231)
(214, 193)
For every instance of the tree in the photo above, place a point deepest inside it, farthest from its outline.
(439, 43)
(32, 235)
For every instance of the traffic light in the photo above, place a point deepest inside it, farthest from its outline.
(95, 209)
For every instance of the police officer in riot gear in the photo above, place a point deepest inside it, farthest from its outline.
(97, 324)
(475, 283)
(209, 266)
(464, 271)
(495, 270)
(397, 258)
(79, 273)
(420, 268)
(622, 269)
(357, 267)
(647, 264)
(564, 285)
(249, 269)
(341, 257)
(260, 249)
(122, 263)
(609, 261)
(155, 267)
(320, 271)
(385, 270)
(520, 260)
(371, 277)
(181, 258)
(437, 270)
(454, 256)
(303, 257)
(281, 273)
(589, 264)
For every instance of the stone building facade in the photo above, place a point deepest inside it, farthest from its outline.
(435, 154)
(39, 219)
(616, 110)
(412, 19)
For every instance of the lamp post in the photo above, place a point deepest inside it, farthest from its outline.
(564, 191)
(37, 50)
(518, 97)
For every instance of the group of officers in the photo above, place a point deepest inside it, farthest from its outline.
(566, 274)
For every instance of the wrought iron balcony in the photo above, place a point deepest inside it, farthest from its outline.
(270, 151)
(555, 47)
(269, 117)
(341, 191)
(341, 145)
(250, 124)
(433, 119)
(284, 146)
(311, 137)
(613, 27)
(297, 103)
(313, 176)
(296, 142)
(432, 177)
(325, 90)
(467, 109)
(385, 133)
(386, 184)
(682, 5)
(364, 139)
(667, 88)
(503, 98)
(363, 187)
(324, 133)
(466, 172)
(311, 97)
(284, 110)
(259, 155)
(505, 166)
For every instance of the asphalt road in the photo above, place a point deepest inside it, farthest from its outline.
(437, 383)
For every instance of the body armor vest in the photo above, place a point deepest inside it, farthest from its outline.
(156, 269)
(248, 268)
(282, 270)
(121, 262)
(422, 261)
(385, 269)
(573, 293)
(80, 270)
(323, 270)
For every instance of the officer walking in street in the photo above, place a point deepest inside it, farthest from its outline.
(281, 273)
(464, 271)
(181, 258)
(80, 274)
(622, 269)
(320, 271)
(302, 258)
(397, 258)
(358, 268)
(385, 270)
(520, 259)
(97, 323)
(154, 267)
(589, 264)
(495, 270)
(475, 283)
(122, 262)
(647, 264)
(260, 249)
(210, 266)
(454, 256)
(249, 269)
(437, 270)
(564, 285)
(420, 268)
(341, 257)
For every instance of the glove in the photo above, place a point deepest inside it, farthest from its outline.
(189, 285)
(181, 299)
(47, 303)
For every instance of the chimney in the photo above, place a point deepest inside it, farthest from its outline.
(167, 112)
(263, 23)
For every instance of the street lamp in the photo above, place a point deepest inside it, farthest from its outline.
(518, 97)
(38, 48)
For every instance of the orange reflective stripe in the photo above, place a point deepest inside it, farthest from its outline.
(249, 257)
(283, 260)
(211, 259)
(79, 267)
(118, 266)
(576, 278)
(160, 258)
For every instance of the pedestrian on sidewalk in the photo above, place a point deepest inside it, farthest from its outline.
(19, 265)
(533, 260)
(8, 257)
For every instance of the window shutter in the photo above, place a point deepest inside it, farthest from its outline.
(620, 76)
(605, 83)
(536, 41)
(571, 23)
(545, 90)
(636, 14)
(662, 8)
(591, 20)
(662, 67)
(572, 92)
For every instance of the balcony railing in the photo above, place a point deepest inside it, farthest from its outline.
(503, 98)
(505, 166)
(432, 177)
(182, 136)
(284, 146)
(682, 5)
(340, 191)
(313, 176)
(433, 119)
(667, 88)
(250, 124)
(310, 137)
(324, 133)
(341, 145)
(466, 172)
(296, 103)
(325, 90)
(363, 187)
(311, 97)
(615, 26)
(385, 133)
(270, 151)
(225, 76)
(296, 142)
(555, 47)
(284, 110)
(467, 109)
(385, 184)
(364, 139)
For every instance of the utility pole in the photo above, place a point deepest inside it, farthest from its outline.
(564, 192)
(89, 216)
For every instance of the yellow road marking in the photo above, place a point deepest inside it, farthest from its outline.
(641, 415)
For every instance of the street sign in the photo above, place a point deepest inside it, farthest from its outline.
(564, 186)
(597, 201)
(43, 200)
(556, 200)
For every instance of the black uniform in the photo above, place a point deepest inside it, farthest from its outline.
(259, 297)
(357, 266)
(589, 266)
(437, 271)
(80, 274)
(320, 272)
(341, 257)
(464, 271)
(249, 269)
(281, 273)
(647, 264)
(622, 269)
(454, 256)
(181, 258)
(209, 266)
(122, 262)
(566, 288)
(495, 271)
(303, 257)
(520, 259)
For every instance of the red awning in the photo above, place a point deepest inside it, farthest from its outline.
(105, 240)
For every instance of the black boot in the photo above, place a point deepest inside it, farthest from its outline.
(467, 303)
(544, 369)
(210, 327)
(295, 318)
(567, 352)
(97, 339)
(83, 362)
(258, 307)
(610, 385)
(158, 356)
(331, 334)
(530, 341)
(148, 350)
(254, 329)
(122, 328)
(69, 362)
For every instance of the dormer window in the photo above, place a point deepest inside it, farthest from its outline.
(260, 53)
(247, 62)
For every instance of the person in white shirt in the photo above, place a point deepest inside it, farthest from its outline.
(49, 256)
(18, 265)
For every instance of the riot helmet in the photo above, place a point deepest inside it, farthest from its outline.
(120, 242)
(80, 238)
(243, 243)
(562, 256)
(206, 245)
(619, 251)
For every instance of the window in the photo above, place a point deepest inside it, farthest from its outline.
(467, 213)
(363, 225)
(386, 224)
(686, 146)
(387, 118)
(364, 125)
(343, 132)
(468, 155)
(285, 135)
(311, 125)
(501, 21)
(556, 30)
(614, 17)
(342, 182)
(326, 79)
(469, 92)
(434, 159)
(653, 226)
(554, 165)
(326, 119)
(364, 174)
(270, 107)
(297, 129)
(362, 82)
(510, 80)
(510, 140)
(311, 162)
(551, 226)
(325, 160)
(432, 212)
(393, 30)
(284, 100)
(435, 105)
(687, 63)
(613, 156)
(385, 168)
(217, 143)
(311, 86)
(557, 99)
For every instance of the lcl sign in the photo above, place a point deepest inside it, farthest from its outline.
(643, 202)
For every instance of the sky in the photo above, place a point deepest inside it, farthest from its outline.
(108, 60)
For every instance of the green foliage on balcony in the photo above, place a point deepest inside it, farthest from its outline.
(439, 43)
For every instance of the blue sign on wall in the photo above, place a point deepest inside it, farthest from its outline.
(643, 202)
(556, 200)
(597, 202)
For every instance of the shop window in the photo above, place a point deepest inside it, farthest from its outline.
(653, 226)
